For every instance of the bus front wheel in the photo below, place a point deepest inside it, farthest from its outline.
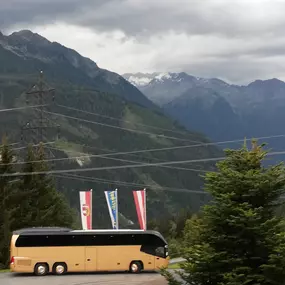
(59, 268)
(41, 269)
(136, 267)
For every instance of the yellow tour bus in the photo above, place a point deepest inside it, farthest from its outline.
(60, 250)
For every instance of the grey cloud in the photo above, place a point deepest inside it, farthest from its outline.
(148, 17)
(194, 17)
(275, 50)
(266, 50)
(237, 70)
(13, 12)
(256, 26)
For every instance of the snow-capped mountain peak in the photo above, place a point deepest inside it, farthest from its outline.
(163, 76)
(139, 80)
(144, 79)
(164, 87)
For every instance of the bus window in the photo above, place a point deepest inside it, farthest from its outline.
(160, 252)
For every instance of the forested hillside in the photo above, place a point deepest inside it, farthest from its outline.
(116, 117)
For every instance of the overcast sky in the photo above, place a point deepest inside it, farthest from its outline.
(235, 40)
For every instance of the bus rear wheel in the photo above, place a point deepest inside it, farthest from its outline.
(59, 268)
(136, 267)
(41, 269)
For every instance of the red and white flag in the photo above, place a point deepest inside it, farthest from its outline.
(86, 209)
(140, 202)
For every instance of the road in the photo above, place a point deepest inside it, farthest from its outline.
(87, 279)
(84, 279)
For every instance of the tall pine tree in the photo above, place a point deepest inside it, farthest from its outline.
(27, 188)
(241, 240)
(46, 206)
(7, 188)
(29, 201)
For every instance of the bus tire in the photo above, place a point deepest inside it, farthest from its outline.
(41, 269)
(136, 267)
(59, 268)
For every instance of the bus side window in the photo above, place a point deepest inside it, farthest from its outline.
(148, 249)
(112, 240)
(159, 251)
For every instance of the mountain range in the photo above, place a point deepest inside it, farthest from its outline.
(220, 110)
(99, 112)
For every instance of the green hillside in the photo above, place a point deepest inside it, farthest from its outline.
(166, 186)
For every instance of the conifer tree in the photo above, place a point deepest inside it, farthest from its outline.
(241, 240)
(6, 202)
(26, 189)
(39, 203)
(48, 206)
(29, 201)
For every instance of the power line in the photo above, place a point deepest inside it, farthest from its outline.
(110, 167)
(170, 148)
(161, 149)
(116, 159)
(33, 145)
(98, 156)
(123, 183)
(125, 121)
(158, 149)
(192, 146)
(276, 153)
(21, 108)
(182, 146)
(120, 128)
(107, 150)
(134, 155)
(121, 166)
(10, 144)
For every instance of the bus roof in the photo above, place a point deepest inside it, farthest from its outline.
(67, 231)
(39, 230)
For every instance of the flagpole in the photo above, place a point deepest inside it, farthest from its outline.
(91, 205)
(145, 208)
(80, 206)
(117, 208)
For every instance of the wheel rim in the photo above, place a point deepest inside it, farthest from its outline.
(134, 267)
(59, 269)
(41, 270)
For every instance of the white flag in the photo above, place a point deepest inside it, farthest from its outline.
(86, 209)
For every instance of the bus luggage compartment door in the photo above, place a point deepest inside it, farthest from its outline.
(90, 258)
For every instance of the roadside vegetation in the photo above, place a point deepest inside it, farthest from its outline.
(28, 200)
(239, 237)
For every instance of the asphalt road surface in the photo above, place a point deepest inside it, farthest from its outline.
(84, 279)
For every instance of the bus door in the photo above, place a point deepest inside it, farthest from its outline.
(149, 258)
(159, 257)
(90, 258)
(150, 262)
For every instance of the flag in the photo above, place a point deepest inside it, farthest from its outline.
(86, 209)
(140, 202)
(112, 202)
